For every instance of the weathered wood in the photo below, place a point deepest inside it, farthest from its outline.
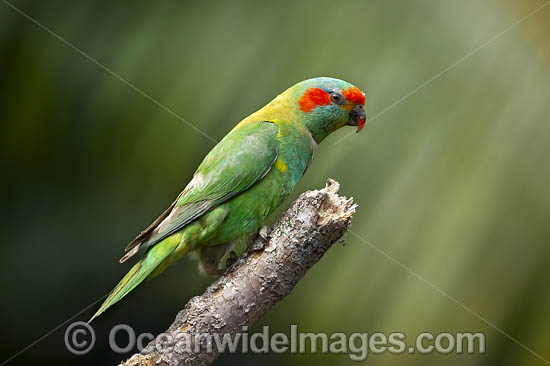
(264, 274)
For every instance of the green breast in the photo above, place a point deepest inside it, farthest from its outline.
(248, 210)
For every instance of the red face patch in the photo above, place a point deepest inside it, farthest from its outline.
(354, 95)
(312, 98)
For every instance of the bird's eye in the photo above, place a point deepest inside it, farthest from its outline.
(337, 98)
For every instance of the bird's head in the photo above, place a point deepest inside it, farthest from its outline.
(326, 104)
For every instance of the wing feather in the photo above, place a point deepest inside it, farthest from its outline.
(241, 159)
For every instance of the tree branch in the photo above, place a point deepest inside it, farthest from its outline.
(265, 273)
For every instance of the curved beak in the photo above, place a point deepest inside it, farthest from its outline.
(357, 117)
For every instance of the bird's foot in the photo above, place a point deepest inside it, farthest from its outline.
(231, 259)
(264, 232)
(262, 239)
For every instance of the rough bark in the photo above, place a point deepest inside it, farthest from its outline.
(264, 274)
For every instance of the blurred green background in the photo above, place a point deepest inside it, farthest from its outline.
(452, 182)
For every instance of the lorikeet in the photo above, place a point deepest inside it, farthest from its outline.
(243, 179)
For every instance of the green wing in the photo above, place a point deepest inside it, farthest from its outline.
(241, 159)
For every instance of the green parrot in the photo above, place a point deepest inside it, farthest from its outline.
(243, 179)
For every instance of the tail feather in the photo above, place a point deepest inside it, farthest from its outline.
(155, 257)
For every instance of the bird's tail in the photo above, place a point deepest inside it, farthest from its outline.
(154, 262)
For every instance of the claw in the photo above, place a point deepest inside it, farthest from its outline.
(264, 233)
